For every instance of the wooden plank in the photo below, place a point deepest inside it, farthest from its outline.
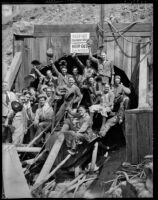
(94, 157)
(134, 62)
(93, 34)
(110, 50)
(127, 64)
(43, 49)
(143, 78)
(140, 110)
(14, 67)
(51, 158)
(15, 185)
(118, 60)
(141, 141)
(28, 149)
(41, 29)
(37, 48)
(128, 137)
(134, 138)
(129, 34)
(150, 141)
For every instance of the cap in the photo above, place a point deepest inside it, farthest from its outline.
(44, 87)
(117, 76)
(33, 75)
(63, 63)
(35, 62)
(42, 95)
(16, 106)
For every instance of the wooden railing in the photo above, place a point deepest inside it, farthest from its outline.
(13, 69)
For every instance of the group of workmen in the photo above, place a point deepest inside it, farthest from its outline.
(59, 96)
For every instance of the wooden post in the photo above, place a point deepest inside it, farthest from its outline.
(94, 156)
(101, 39)
(13, 69)
(51, 158)
(143, 83)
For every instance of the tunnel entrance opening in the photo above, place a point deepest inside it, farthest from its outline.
(115, 135)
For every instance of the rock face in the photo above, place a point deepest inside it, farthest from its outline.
(69, 14)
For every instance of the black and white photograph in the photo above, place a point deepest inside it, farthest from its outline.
(77, 100)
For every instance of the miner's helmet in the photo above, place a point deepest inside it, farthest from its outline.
(35, 62)
(16, 106)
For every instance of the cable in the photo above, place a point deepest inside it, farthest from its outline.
(121, 35)
(119, 30)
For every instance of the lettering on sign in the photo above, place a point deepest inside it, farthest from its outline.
(78, 42)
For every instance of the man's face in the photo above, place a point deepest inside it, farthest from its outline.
(75, 71)
(117, 81)
(82, 111)
(22, 99)
(103, 56)
(91, 80)
(32, 91)
(49, 92)
(71, 81)
(42, 101)
(27, 97)
(24, 91)
(64, 70)
(88, 63)
(106, 89)
(49, 74)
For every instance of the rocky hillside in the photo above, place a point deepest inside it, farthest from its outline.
(69, 14)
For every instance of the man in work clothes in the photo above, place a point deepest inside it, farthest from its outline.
(77, 128)
(105, 106)
(87, 71)
(43, 115)
(7, 98)
(121, 102)
(105, 66)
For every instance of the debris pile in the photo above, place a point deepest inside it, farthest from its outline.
(133, 180)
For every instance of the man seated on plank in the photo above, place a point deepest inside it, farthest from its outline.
(105, 67)
(105, 106)
(121, 103)
(77, 128)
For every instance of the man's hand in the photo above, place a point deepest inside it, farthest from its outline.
(51, 61)
(89, 43)
(74, 55)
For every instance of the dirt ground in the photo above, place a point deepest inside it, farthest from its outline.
(107, 173)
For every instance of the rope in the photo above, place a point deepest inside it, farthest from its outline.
(121, 35)
(119, 30)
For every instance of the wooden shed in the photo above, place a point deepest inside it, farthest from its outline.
(32, 42)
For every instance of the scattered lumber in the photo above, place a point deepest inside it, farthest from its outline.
(51, 174)
(51, 158)
(37, 137)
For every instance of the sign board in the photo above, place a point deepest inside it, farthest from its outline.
(78, 42)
